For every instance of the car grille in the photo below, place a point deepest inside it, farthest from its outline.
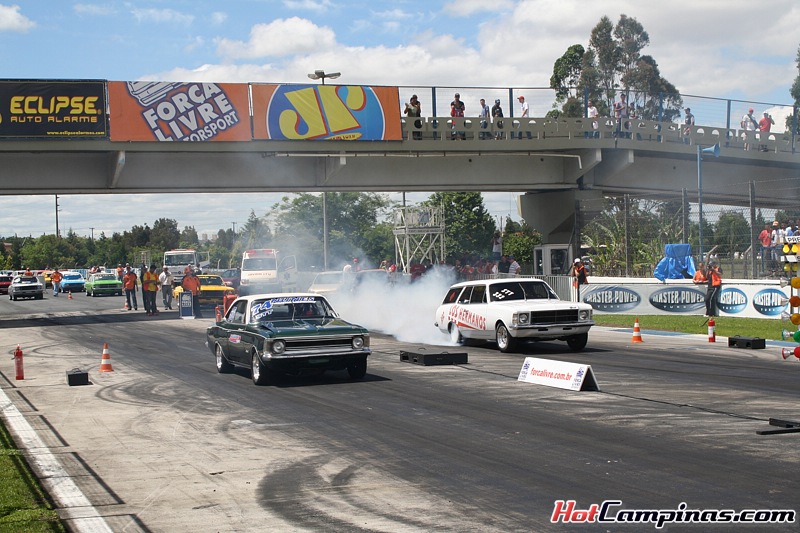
(555, 316)
(317, 343)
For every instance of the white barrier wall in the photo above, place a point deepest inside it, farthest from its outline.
(648, 296)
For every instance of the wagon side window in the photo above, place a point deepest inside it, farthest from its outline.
(478, 295)
(465, 296)
(452, 295)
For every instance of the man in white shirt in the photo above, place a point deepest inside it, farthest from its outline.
(591, 114)
(166, 280)
(524, 109)
(514, 269)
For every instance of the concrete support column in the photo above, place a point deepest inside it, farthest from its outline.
(553, 212)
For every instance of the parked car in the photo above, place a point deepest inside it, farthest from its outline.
(72, 282)
(26, 287)
(232, 277)
(212, 290)
(5, 283)
(327, 282)
(287, 333)
(508, 310)
(103, 283)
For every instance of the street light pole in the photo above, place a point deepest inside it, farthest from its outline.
(714, 150)
(321, 75)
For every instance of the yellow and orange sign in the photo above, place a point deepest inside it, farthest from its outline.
(326, 112)
(176, 111)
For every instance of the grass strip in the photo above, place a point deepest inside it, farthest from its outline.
(725, 326)
(24, 506)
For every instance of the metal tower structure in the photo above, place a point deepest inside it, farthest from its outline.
(418, 235)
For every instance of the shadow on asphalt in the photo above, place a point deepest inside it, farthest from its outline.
(55, 319)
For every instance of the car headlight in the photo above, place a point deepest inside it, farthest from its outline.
(522, 319)
(358, 343)
(278, 347)
(586, 314)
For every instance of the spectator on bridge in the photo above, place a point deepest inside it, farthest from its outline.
(497, 112)
(620, 112)
(457, 109)
(748, 124)
(484, 116)
(688, 121)
(524, 112)
(414, 109)
(764, 125)
(591, 114)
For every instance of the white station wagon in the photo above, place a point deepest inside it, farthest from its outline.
(505, 310)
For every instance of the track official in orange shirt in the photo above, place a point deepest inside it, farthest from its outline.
(191, 283)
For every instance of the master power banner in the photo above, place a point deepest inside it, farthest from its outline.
(52, 109)
(326, 112)
(174, 111)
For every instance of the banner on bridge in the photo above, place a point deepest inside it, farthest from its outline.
(53, 109)
(167, 111)
(326, 112)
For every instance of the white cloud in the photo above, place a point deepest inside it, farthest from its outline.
(309, 5)
(12, 20)
(281, 37)
(218, 17)
(465, 8)
(162, 16)
(94, 9)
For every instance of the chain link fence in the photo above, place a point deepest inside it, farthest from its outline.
(625, 235)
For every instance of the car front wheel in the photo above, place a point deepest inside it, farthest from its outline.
(260, 373)
(357, 370)
(577, 343)
(223, 366)
(505, 342)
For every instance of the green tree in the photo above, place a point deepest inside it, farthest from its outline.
(520, 242)
(794, 92)
(164, 236)
(468, 225)
(188, 238)
(256, 232)
(731, 233)
(352, 219)
(613, 62)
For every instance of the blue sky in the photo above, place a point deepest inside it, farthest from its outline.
(736, 49)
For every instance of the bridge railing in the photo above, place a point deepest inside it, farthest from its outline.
(585, 131)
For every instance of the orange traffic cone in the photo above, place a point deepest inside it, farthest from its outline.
(105, 363)
(637, 333)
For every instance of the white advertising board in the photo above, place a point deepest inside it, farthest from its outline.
(742, 298)
(559, 374)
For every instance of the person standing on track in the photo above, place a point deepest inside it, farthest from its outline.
(129, 281)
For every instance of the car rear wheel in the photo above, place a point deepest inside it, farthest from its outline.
(455, 335)
(505, 342)
(261, 374)
(223, 366)
(357, 370)
(577, 343)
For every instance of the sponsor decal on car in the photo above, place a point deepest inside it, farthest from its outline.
(612, 299)
(732, 300)
(463, 317)
(769, 302)
(235, 339)
(678, 299)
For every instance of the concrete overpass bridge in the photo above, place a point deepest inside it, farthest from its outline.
(554, 162)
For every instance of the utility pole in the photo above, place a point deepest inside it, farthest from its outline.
(58, 235)
(92, 233)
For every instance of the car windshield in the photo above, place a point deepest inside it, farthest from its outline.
(330, 278)
(216, 280)
(26, 279)
(72, 276)
(5, 278)
(105, 277)
(289, 308)
(232, 273)
(521, 290)
(260, 263)
(179, 259)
